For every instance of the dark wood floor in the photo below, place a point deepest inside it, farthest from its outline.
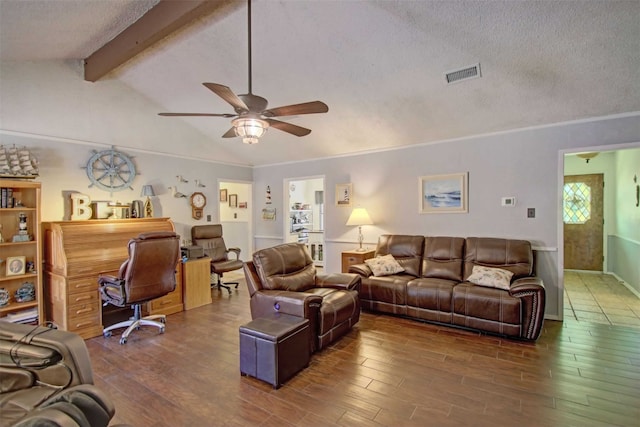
(386, 372)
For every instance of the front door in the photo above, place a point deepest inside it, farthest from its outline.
(583, 221)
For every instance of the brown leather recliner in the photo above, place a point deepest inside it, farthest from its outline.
(46, 380)
(284, 279)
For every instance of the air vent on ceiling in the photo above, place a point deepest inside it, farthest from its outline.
(465, 73)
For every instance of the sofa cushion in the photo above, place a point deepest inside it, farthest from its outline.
(443, 257)
(508, 254)
(489, 304)
(430, 294)
(407, 250)
(491, 277)
(287, 267)
(384, 265)
(388, 289)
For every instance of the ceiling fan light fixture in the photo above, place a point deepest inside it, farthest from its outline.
(250, 129)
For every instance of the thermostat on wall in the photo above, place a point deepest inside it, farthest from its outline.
(509, 201)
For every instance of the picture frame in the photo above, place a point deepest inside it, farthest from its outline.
(233, 200)
(223, 194)
(15, 265)
(344, 195)
(242, 205)
(269, 214)
(443, 193)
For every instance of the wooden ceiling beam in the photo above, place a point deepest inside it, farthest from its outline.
(166, 17)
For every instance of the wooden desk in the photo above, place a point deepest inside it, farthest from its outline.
(355, 257)
(170, 303)
(196, 282)
(76, 252)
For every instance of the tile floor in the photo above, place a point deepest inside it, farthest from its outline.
(599, 298)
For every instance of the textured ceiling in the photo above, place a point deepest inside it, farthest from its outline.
(379, 65)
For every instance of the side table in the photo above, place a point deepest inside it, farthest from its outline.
(196, 282)
(355, 257)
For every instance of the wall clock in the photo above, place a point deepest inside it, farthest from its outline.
(198, 202)
(110, 170)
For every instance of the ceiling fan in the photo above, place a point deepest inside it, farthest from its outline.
(252, 118)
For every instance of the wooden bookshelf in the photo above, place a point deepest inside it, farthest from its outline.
(20, 198)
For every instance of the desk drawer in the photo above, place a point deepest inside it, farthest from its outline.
(84, 284)
(166, 301)
(87, 297)
(82, 310)
(168, 304)
(83, 321)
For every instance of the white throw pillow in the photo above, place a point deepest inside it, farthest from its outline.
(384, 265)
(491, 277)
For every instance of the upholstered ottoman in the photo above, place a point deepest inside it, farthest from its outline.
(274, 348)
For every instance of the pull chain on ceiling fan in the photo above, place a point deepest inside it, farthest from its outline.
(252, 118)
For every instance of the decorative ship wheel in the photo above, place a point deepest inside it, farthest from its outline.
(110, 170)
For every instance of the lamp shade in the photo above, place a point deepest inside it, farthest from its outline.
(147, 190)
(250, 129)
(359, 216)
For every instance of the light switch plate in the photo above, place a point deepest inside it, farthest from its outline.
(509, 201)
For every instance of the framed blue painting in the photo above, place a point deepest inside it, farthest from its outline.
(444, 193)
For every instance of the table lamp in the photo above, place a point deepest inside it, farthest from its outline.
(147, 191)
(359, 217)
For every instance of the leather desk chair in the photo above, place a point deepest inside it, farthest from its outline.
(149, 273)
(210, 238)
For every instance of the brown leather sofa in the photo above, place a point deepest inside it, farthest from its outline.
(46, 380)
(434, 286)
(283, 279)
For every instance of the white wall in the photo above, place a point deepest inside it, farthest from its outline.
(51, 98)
(624, 241)
(236, 222)
(61, 172)
(521, 163)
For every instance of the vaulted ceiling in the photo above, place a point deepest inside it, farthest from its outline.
(378, 65)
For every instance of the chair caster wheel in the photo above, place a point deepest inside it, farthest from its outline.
(106, 334)
(162, 330)
(123, 340)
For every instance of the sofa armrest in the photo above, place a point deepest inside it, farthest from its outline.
(83, 405)
(15, 379)
(75, 360)
(362, 270)
(532, 293)
(299, 304)
(346, 281)
(235, 251)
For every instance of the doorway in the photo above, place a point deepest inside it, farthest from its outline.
(304, 202)
(583, 219)
(617, 165)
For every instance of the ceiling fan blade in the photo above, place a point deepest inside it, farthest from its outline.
(231, 133)
(296, 109)
(227, 94)
(289, 128)
(197, 115)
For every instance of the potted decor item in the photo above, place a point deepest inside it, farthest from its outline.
(4, 297)
(26, 292)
